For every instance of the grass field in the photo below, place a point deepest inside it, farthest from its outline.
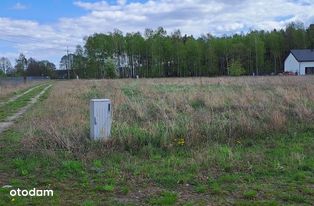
(192, 141)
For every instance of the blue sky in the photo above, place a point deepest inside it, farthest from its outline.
(43, 11)
(42, 29)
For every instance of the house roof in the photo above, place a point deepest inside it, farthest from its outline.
(303, 55)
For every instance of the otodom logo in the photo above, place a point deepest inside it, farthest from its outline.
(32, 193)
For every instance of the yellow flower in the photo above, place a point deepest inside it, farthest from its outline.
(181, 141)
(13, 200)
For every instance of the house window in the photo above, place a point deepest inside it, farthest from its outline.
(309, 70)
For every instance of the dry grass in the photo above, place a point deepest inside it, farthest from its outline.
(8, 90)
(158, 112)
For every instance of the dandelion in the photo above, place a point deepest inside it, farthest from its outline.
(181, 141)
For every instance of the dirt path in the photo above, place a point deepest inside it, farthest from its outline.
(9, 121)
(19, 95)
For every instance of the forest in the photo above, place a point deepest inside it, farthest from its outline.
(155, 53)
(159, 54)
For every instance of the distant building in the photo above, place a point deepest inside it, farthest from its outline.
(300, 61)
(61, 74)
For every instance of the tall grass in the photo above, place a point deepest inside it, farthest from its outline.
(170, 113)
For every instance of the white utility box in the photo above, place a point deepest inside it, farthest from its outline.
(100, 118)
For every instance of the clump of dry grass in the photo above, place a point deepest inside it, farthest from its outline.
(158, 112)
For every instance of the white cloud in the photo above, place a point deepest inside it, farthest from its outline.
(35, 40)
(194, 17)
(121, 2)
(19, 6)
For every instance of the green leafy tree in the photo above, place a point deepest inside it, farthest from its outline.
(236, 69)
(259, 55)
(2, 74)
(110, 69)
(275, 41)
(310, 36)
(79, 62)
(21, 65)
(40, 68)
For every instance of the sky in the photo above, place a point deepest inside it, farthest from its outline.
(44, 29)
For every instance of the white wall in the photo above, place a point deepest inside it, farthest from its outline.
(291, 64)
(305, 64)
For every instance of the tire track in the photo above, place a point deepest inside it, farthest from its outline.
(19, 95)
(9, 121)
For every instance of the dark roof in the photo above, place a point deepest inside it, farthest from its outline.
(303, 55)
(61, 74)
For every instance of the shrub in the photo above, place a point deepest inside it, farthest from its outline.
(236, 69)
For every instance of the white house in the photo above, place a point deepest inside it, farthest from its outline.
(300, 61)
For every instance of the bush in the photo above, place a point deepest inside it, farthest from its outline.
(236, 69)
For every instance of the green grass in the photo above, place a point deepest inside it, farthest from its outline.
(92, 93)
(268, 173)
(106, 188)
(250, 194)
(131, 92)
(198, 104)
(165, 198)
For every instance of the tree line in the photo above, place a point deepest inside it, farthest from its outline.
(26, 67)
(155, 53)
(158, 54)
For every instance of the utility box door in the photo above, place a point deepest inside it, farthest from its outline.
(100, 118)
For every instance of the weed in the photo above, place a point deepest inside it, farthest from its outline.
(257, 203)
(25, 166)
(297, 198)
(131, 92)
(166, 198)
(97, 163)
(215, 188)
(250, 194)
(88, 203)
(200, 188)
(198, 103)
(105, 188)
